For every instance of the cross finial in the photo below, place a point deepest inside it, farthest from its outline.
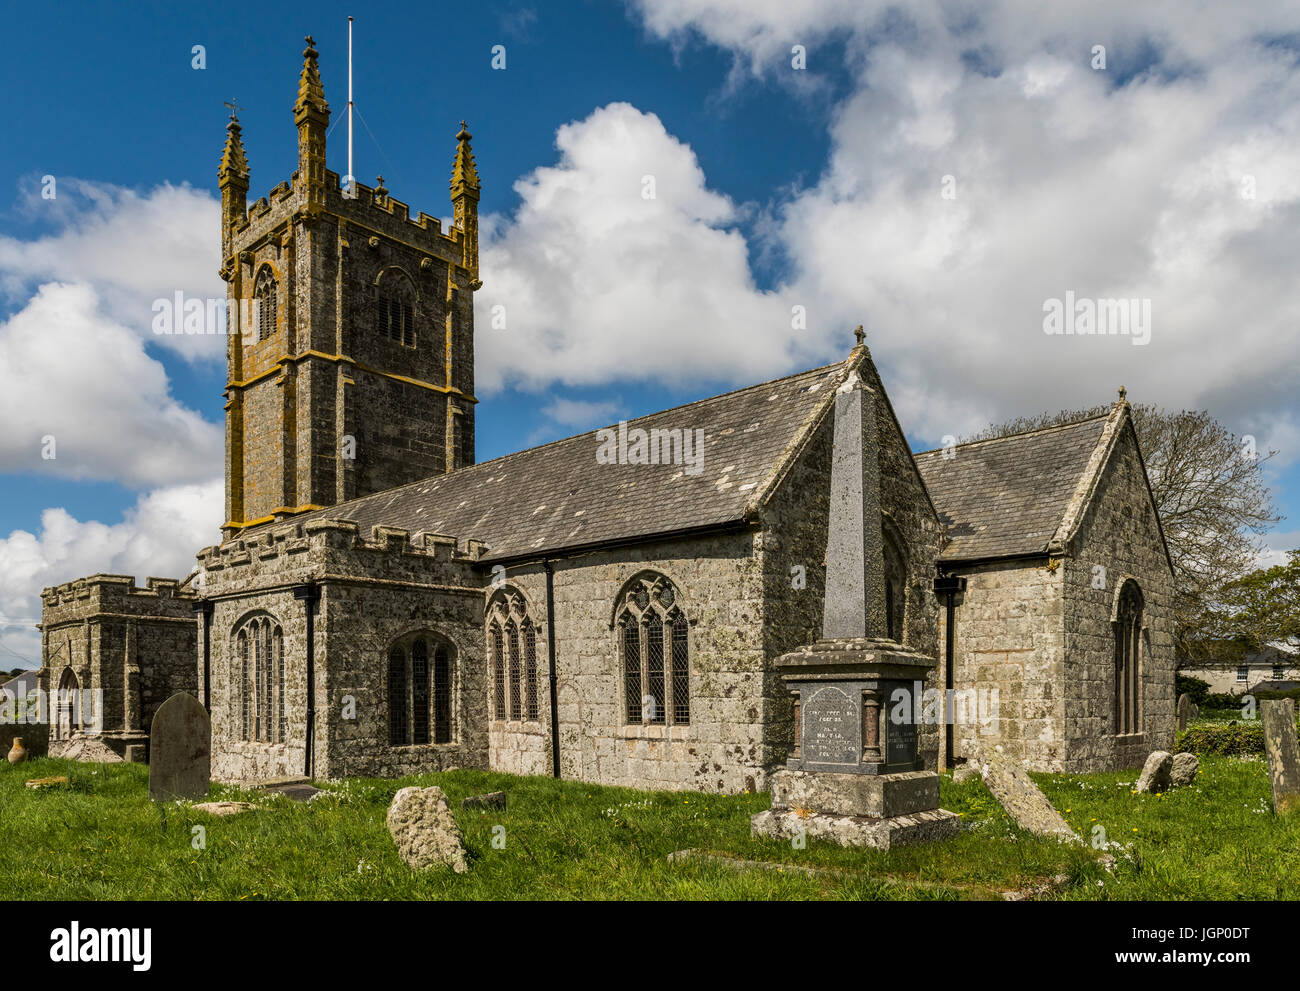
(234, 108)
(1123, 394)
(311, 42)
(859, 333)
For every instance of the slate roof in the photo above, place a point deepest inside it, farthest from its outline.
(1006, 497)
(557, 496)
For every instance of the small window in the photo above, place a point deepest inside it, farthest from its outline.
(1279, 672)
(419, 693)
(1243, 672)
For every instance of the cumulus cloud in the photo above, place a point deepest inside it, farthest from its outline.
(621, 263)
(74, 375)
(132, 248)
(158, 536)
(1172, 175)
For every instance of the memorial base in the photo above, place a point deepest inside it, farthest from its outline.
(869, 831)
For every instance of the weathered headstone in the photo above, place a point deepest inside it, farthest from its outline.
(1020, 797)
(425, 831)
(1184, 710)
(964, 773)
(1156, 772)
(1283, 758)
(180, 750)
(1184, 770)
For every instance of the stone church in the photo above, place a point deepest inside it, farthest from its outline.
(380, 604)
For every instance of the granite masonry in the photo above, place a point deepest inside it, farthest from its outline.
(378, 603)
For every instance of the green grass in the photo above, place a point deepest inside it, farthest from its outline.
(101, 838)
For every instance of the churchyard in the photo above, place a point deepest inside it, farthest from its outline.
(99, 836)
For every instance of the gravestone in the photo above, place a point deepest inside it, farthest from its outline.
(180, 750)
(1021, 798)
(1184, 770)
(854, 774)
(1157, 772)
(425, 831)
(1184, 710)
(1283, 759)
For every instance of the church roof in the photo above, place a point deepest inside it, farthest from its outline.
(559, 497)
(1007, 496)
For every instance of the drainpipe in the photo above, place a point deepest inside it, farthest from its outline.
(948, 586)
(310, 593)
(550, 659)
(204, 606)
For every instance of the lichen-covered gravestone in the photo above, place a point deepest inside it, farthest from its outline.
(425, 831)
(1157, 773)
(180, 750)
(1283, 759)
(1021, 799)
(1184, 710)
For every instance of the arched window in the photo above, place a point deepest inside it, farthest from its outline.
(895, 561)
(66, 703)
(258, 677)
(265, 292)
(396, 308)
(1127, 627)
(419, 692)
(654, 654)
(512, 647)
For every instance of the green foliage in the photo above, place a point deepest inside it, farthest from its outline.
(1264, 606)
(1224, 741)
(1221, 700)
(1194, 688)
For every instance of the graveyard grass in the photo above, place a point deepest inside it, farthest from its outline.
(100, 837)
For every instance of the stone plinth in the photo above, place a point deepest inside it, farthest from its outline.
(854, 775)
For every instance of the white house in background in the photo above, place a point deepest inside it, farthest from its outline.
(1273, 663)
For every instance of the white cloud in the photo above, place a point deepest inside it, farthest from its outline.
(132, 248)
(600, 282)
(76, 375)
(157, 537)
(1124, 182)
(579, 413)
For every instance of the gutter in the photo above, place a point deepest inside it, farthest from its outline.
(205, 606)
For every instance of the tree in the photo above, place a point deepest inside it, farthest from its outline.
(1264, 606)
(1209, 489)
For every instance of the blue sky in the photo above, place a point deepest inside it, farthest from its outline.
(818, 188)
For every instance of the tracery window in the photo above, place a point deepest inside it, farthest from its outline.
(512, 649)
(265, 292)
(396, 308)
(258, 675)
(1128, 658)
(420, 674)
(653, 644)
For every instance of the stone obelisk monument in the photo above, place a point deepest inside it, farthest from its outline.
(854, 775)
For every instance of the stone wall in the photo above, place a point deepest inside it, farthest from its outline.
(1118, 534)
(132, 647)
(1008, 659)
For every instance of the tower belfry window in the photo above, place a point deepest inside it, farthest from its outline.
(264, 292)
(396, 310)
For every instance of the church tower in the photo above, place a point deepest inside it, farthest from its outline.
(358, 372)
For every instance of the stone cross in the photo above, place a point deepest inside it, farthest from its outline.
(180, 750)
(1283, 758)
(855, 570)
